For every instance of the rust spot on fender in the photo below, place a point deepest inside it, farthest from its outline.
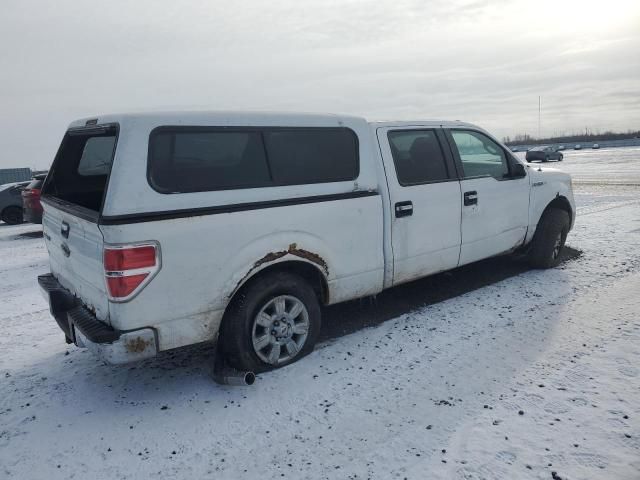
(269, 257)
(136, 345)
(292, 250)
(312, 257)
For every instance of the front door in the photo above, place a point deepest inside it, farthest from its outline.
(495, 204)
(425, 201)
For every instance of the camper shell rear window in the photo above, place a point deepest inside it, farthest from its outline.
(198, 159)
(81, 168)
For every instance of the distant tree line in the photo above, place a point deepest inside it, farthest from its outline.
(586, 137)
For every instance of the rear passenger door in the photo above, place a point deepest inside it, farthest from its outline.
(425, 201)
(495, 204)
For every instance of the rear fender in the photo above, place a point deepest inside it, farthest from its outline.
(273, 249)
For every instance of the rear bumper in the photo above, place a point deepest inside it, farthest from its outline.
(81, 327)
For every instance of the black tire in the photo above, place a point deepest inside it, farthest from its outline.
(548, 241)
(560, 158)
(236, 333)
(12, 215)
(546, 158)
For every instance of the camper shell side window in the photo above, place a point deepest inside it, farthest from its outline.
(200, 159)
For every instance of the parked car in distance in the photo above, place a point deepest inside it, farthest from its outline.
(595, 146)
(578, 147)
(560, 148)
(543, 153)
(11, 202)
(31, 207)
(170, 229)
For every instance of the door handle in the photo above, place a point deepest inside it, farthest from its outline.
(471, 198)
(404, 209)
(65, 249)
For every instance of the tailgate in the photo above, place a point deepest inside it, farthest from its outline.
(75, 255)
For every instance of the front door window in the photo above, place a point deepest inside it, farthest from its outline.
(480, 156)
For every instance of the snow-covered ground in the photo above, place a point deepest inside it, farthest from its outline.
(606, 166)
(536, 373)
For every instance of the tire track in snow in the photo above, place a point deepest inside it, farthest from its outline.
(582, 211)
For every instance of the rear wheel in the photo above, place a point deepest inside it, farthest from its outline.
(273, 322)
(12, 215)
(560, 158)
(549, 239)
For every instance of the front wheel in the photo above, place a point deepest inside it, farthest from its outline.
(12, 215)
(560, 158)
(549, 239)
(273, 322)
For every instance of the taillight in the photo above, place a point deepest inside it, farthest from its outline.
(129, 258)
(31, 198)
(129, 268)
(31, 192)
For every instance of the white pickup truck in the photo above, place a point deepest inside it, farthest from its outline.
(170, 229)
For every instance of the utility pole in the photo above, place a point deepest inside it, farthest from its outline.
(539, 108)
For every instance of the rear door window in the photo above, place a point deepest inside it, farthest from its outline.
(417, 156)
(197, 159)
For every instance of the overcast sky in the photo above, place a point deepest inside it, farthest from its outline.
(481, 61)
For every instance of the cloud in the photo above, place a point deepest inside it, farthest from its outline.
(480, 61)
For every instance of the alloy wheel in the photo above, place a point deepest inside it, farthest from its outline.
(280, 329)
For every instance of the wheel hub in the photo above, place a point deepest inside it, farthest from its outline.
(280, 329)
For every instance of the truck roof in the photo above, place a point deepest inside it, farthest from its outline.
(431, 123)
(253, 118)
(222, 118)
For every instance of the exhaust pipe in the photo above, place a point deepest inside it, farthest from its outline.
(231, 376)
(226, 375)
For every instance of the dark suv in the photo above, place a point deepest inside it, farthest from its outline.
(31, 207)
(544, 154)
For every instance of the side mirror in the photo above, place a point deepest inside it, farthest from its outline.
(518, 170)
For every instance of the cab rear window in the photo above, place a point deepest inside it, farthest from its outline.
(96, 156)
(196, 159)
(81, 168)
